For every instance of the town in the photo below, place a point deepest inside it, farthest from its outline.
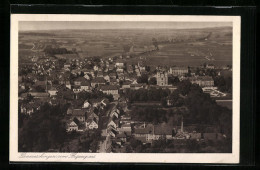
(69, 102)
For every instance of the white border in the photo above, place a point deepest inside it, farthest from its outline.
(123, 157)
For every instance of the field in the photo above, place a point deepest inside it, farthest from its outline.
(176, 47)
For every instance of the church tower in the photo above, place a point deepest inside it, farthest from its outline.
(162, 78)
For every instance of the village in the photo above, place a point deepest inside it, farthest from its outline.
(96, 94)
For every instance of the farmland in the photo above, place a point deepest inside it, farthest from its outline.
(176, 47)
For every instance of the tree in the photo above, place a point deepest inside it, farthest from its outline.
(143, 79)
(152, 81)
(184, 87)
(173, 80)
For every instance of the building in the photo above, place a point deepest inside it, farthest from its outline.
(52, 91)
(98, 81)
(40, 95)
(79, 81)
(80, 114)
(92, 123)
(86, 104)
(178, 71)
(162, 78)
(110, 89)
(85, 86)
(119, 63)
(141, 66)
(210, 66)
(72, 125)
(203, 81)
(129, 69)
(153, 132)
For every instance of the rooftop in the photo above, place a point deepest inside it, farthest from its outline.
(98, 80)
(108, 87)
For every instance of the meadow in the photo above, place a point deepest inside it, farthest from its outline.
(176, 47)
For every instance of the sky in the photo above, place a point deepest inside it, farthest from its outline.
(58, 25)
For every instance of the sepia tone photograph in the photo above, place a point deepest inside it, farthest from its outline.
(125, 86)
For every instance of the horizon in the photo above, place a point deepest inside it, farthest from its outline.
(115, 25)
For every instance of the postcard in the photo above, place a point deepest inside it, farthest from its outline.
(125, 88)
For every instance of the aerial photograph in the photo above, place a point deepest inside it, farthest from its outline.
(125, 87)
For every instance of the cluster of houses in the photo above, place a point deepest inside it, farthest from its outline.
(84, 118)
(119, 126)
(148, 133)
(108, 76)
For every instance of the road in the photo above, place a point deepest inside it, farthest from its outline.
(104, 145)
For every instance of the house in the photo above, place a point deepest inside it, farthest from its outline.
(87, 77)
(126, 127)
(126, 84)
(95, 68)
(30, 107)
(92, 123)
(86, 71)
(113, 123)
(125, 119)
(23, 96)
(202, 81)
(92, 115)
(154, 132)
(121, 76)
(85, 86)
(178, 71)
(95, 102)
(72, 126)
(110, 89)
(114, 82)
(112, 131)
(80, 114)
(27, 109)
(115, 114)
(97, 82)
(112, 75)
(144, 134)
(111, 67)
(105, 102)
(66, 65)
(100, 74)
(106, 77)
(76, 89)
(141, 66)
(130, 69)
(52, 91)
(86, 104)
(68, 85)
(78, 81)
(163, 131)
(41, 84)
(136, 86)
(119, 63)
(41, 95)
(119, 70)
(210, 66)
(121, 137)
